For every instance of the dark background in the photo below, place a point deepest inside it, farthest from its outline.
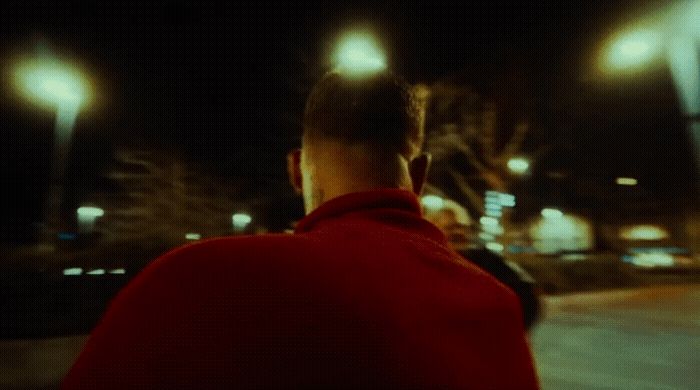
(225, 83)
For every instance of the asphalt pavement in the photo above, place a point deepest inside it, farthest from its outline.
(631, 339)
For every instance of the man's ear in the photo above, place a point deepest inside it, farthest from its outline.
(418, 169)
(294, 169)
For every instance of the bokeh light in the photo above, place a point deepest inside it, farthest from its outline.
(518, 165)
(632, 50)
(359, 54)
(432, 202)
(52, 84)
(644, 233)
(90, 212)
(241, 220)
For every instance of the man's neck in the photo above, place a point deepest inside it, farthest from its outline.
(340, 170)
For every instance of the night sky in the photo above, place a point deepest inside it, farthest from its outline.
(225, 82)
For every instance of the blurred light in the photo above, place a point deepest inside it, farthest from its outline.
(504, 200)
(659, 249)
(118, 271)
(193, 236)
(432, 202)
(52, 83)
(493, 195)
(574, 257)
(494, 246)
(488, 221)
(493, 213)
(421, 91)
(507, 199)
(493, 210)
(626, 181)
(518, 165)
(72, 271)
(632, 50)
(684, 64)
(486, 236)
(98, 271)
(552, 213)
(240, 220)
(564, 233)
(359, 54)
(87, 217)
(495, 230)
(65, 236)
(650, 259)
(90, 212)
(493, 206)
(644, 233)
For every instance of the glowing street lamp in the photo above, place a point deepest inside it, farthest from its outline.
(626, 181)
(52, 84)
(240, 221)
(644, 232)
(432, 202)
(359, 54)
(87, 216)
(673, 34)
(552, 213)
(72, 271)
(57, 86)
(518, 165)
(632, 50)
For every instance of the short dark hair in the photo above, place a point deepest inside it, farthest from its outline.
(379, 111)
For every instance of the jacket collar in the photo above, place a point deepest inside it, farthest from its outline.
(389, 198)
(376, 204)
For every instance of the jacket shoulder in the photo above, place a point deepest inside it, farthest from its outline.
(260, 250)
(224, 261)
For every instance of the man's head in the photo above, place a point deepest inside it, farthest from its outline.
(359, 134)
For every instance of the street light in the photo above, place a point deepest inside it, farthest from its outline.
(87, 216)
(518, 165)
(240, 221)
(359, 54)
(58, 86)
(626, 181)
(632, 50)
(549, 213)
(72, 271)
(432, 202)
(644, 233)
(673, 34)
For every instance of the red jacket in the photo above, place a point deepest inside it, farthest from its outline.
(366, 294)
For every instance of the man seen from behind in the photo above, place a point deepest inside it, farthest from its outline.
(365, 294)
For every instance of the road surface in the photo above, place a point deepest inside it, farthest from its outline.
(633, 339)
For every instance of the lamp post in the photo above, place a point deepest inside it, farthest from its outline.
(673, 35)
(52, 84)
